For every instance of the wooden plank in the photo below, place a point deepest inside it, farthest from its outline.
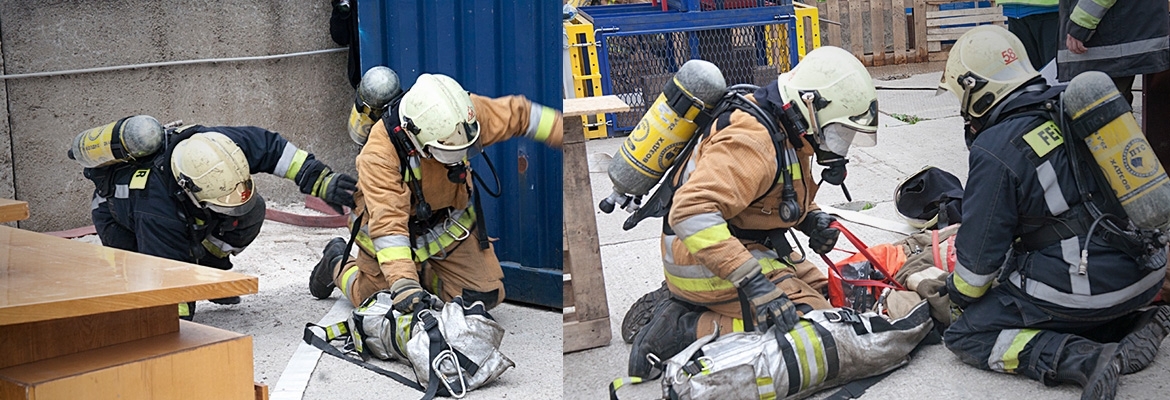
(567, 289)
(40, 340)
(261, 391)
(898, 13)
(944, 36)
(877, 31)
(586, 335)
(941, 55)
(13, 210)
(45, 278)
(978, 19)
(934, 46)
(834, 30)
(580, 226)
(997, 10)
(197, 362)
(857, 47)
(920, 30)
(593, 106)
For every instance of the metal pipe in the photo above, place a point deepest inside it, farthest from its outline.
(169, 63)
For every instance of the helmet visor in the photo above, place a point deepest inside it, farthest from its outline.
(860, 131)
(236, 203)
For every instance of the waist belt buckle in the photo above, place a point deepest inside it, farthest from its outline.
(449, 355)
(455, 222)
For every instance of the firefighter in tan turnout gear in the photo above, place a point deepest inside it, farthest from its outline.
(728, 225)
(421, 234)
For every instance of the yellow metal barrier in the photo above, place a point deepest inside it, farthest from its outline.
(810, 15)
(586, 71)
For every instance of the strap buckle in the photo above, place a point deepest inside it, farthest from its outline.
(844, 315)
(455, 222)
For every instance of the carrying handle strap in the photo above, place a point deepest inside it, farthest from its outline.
(316, 341)
(888, 282)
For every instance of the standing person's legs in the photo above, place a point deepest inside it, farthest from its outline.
(1125, 86)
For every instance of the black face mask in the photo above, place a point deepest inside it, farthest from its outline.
(834, 172)
(457, 173)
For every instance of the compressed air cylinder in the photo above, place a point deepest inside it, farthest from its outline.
(1102, 118)
(124, 140)
(666, 127)
(379, 86)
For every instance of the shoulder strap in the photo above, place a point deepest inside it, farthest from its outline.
(316, 341)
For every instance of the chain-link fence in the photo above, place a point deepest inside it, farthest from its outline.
(641, 64)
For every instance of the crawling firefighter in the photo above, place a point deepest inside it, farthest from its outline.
(421, 231)
(745, 185)
(1057, 257)
(187, 194)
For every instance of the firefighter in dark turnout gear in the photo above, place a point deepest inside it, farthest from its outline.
(194, 200)
(1030, 305)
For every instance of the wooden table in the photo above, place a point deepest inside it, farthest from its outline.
(586, 316)
(79, 320)
(13, 210)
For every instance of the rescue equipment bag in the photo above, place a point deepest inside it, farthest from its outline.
(452, 351)
(930, 199)
(826, 348)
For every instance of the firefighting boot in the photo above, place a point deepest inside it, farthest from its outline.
(1139, 348)
(321, 281)
(1094, 366)
(639, 313)
(670, 330)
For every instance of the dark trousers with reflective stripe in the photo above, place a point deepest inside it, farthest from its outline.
(973, 337)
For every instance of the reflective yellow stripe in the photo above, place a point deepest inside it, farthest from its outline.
(402, 328)
(967, 289)
(767, 265)
(764, 386)
(737, 324)
(184, 311)
(366, 244)
(547, 116)
(617, 383)
(707, 237)
(347, 279)
(807, 342)
(393, 253)
(295, 166)
(213, 249)
(1011, 358)
(413, 172)
(139, 179)
(466, 220)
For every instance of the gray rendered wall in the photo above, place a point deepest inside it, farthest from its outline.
(306, 99)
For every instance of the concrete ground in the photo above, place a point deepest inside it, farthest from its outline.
(632, 263)
(283, 256)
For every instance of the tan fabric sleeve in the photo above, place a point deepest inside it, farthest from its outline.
(732, 168)
(386, 197)
(507, 117)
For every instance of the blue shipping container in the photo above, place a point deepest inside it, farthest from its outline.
(492, 48)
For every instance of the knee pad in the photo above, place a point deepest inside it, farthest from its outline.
(490, 299)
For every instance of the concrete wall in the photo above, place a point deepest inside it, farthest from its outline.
(306, 99)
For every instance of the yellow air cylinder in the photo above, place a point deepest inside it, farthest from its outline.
(1102, 118)
(666, 127)
(124, 140)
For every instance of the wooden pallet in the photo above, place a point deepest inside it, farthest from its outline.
(949, 25)
(586, 313)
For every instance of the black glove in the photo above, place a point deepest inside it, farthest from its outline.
(317, 180)
(821, 238)
(409, 295)
(772, 306)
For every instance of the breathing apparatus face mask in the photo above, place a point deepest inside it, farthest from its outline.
(455, 151)
(832, 141)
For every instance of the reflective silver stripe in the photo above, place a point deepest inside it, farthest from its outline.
(1003, 342)
(1070, 250)
(693, 225)
(1053, 196)
(698, 270)
(668, 248)
(1047, 293)
(121, 191)
(1092, 8)
(972, 278)
(383, 242)
(534, 120)
(97, 201)
(1117, 50)
(286, 158)
(224, 246)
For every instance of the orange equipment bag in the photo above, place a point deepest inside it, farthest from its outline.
(858, 281)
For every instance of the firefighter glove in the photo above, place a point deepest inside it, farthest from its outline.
(821, 237)
(771, 305)
(409, 295)
(317, 180)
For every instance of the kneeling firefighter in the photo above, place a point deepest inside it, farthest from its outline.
(186, 194)
(416, 205)
(1064, 210)
(746, 183)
